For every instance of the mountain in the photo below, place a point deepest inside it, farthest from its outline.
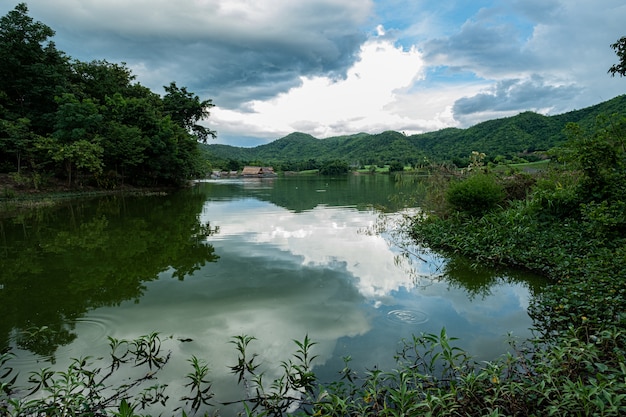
(524, 133)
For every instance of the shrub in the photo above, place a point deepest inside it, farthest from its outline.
(475, 195)
(517, 186)
(556, 194)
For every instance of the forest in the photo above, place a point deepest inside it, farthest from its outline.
(89, 123)
(526, 136)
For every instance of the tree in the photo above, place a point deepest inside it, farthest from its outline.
(620, 50)
(75, 119)
(99, 78)
(186, 110)
(335, 167)
(33, 71)
(81, 155)
(17, 140)
(396, 166)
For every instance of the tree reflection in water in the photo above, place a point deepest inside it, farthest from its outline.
(58, 263)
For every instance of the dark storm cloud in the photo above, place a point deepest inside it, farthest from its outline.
(232, 51)
(511, 95)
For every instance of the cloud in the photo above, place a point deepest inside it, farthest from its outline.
(488, 46)
(332, 67)
(529, 55)
(233, 51)
(507, 97)
(365, 100)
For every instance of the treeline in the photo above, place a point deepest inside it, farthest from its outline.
(520, 138)
(89, 122)
(300, 151)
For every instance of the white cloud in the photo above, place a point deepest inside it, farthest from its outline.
(370, 98)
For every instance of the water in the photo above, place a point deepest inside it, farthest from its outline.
(276, 259)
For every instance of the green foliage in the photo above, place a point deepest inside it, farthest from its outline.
(475, 195)
(288, 391)
(570, 227)
(555, 194)
(80, 389)
(620, 50)
(115, 241)
(396, 166)
(336, 167)
(186, 109)
(600, 154)
(199, 385)
(33, 71)
(582, 374)
(78, 120)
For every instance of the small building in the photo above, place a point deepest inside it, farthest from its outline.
(253, 171)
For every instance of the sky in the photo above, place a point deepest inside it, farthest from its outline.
(340, 67)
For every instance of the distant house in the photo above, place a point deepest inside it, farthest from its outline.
(252, 171)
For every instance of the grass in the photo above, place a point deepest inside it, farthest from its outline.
(525, 166)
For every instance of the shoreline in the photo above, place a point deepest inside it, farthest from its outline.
(16, 198)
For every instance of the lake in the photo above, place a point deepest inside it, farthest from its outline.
(276, 259)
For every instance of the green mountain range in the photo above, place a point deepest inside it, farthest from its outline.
(523, 134)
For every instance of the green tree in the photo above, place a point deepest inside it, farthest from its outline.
(601, 157)
(123, 141)
(33, 71)
(17, 140)
(81, 155)
(186, 110)
(99, 79)
(335, 167)
(76, 119)
(620, 51)
(172, 156)
(396, 166)
(73, 117)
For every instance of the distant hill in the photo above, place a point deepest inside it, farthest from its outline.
(511, 136)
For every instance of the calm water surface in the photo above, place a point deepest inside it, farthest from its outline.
(276, 259)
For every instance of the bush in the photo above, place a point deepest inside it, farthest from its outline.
(335, 167)
(556, 194)
(475, 195)
(396, 166)
(517, 186)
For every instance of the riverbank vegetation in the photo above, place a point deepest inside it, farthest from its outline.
(89, 123)
(568, 224)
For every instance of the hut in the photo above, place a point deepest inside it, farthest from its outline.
(254, 171)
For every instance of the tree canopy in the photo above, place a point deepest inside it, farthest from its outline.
(90, 122)
(620, 51)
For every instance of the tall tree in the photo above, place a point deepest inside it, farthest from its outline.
(33, 71)
(17, 139)
(186, 110)
(99, 78)
(620, 50)
(76, 119)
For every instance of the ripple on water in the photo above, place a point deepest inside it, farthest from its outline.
(407, 316)
(94, 330)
